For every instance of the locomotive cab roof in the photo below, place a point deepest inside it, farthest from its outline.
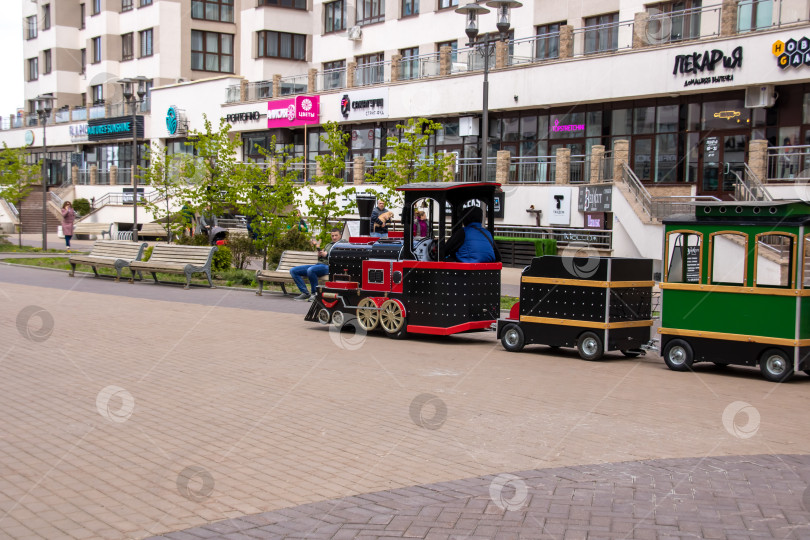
(794, 212)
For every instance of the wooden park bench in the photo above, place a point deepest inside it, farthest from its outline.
(111, 254)
(153, 229)
(175, 259)
(98, 229)
(281, 275)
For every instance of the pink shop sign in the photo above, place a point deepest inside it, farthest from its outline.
(567, 127)
(296, 111)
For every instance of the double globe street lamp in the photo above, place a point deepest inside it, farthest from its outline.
(44, 106)
(486, 48)
(127, 86)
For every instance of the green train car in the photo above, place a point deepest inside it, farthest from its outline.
(733, 287)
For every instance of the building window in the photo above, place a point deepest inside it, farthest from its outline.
(46, 60)
(754, 15)
(212, 10)
(673, 21)
(33, 69)
(96, 49)
(369, 69)
(31, 27)
(96, 7)
(334, 17)
(145, 3)
(82, 15)
(548, 41)
(370, 11)
(46, 16)
(282, 45)
(453, 49)
(98, 93)
(145, 37)
(334, 74)
(84, 62)
(602, 33)
(409, 64)
(410, 7)
(127, 47)
(211, 51)
(446, 4)
(126, 5)
(295, 4)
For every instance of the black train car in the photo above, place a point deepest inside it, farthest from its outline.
(595, 304)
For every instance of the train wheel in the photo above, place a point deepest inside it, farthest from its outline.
(512, 338)
(367, 314)
(776, 365)
(392, 319)
(590, 346)
(678, 355)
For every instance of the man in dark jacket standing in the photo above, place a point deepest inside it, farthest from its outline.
(379, 227)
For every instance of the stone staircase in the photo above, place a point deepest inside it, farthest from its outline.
(31, 214)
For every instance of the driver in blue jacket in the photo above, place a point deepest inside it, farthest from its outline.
(472, 243)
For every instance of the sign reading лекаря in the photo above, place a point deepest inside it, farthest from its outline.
(707, 62)
(106, 129)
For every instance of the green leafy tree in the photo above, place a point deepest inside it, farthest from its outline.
(270, 198)
(169, 176)
(218, 178)
(407, 161)
(17, 178)
(322, 204)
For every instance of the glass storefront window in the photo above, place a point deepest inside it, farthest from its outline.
(806, 109)
(449, 134)
(528, 127)
(642, 150)
(567, 126)
(693, 117)
(693, 154)
(666, 158)
(728, 114)
(542, 127)
(667, 119)
(511, 129)
(620, 122)
(643, 120)
(593, 123)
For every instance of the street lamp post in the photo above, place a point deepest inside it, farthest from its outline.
(44, 104)
(129, 95)
(486, 48)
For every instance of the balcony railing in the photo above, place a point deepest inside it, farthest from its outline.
(372, 73)
(788, 163)
(683, 25)
(330, 79)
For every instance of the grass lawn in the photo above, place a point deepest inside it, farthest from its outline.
(13, 248)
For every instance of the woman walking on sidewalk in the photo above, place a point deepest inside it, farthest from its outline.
(68, 216)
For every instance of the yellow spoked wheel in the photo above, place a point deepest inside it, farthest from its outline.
(392, 319)
(368, 315)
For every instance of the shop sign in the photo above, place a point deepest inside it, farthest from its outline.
(595, 199)
(792, 53)
(707, 62)
(251, 116)
(104, 129)
(557, 127)
(559, 206)
(78, 132)
(297, 111)
(364, 104)
(176, 122)
(594, 220)
(29, 137)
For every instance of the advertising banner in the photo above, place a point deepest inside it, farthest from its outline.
(297, 111)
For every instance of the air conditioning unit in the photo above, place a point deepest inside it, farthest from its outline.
(355, 33)
(757, 97)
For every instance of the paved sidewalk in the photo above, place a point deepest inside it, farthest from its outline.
(140, 410)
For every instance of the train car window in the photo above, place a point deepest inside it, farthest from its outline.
(684, 260)
(729, 251)
(774, 261)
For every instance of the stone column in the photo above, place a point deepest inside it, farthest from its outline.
(450, 170)
(501, 55)
(359, 170)
(566, 41)
(312, 76)
(243, 90)
(395, 60)
(621, 155)
(318, 171)
(351, 68)
(758, 158)
(728, 18)
(113, 175)
(93, 175)
(74, 174)
(503, 159)
(562, 168)
(107, 106)
(597, 163)
(641, 23)
(445, 60)
(276, 85)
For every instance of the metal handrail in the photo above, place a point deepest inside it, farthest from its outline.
(748, 187)
(638, 190)
(694, 13)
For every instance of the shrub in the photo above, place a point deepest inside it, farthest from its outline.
(81, 206)
(238, 277)
(196, 240)
(242, 248)
(293, 239)
(222, 259)
(147, 253)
